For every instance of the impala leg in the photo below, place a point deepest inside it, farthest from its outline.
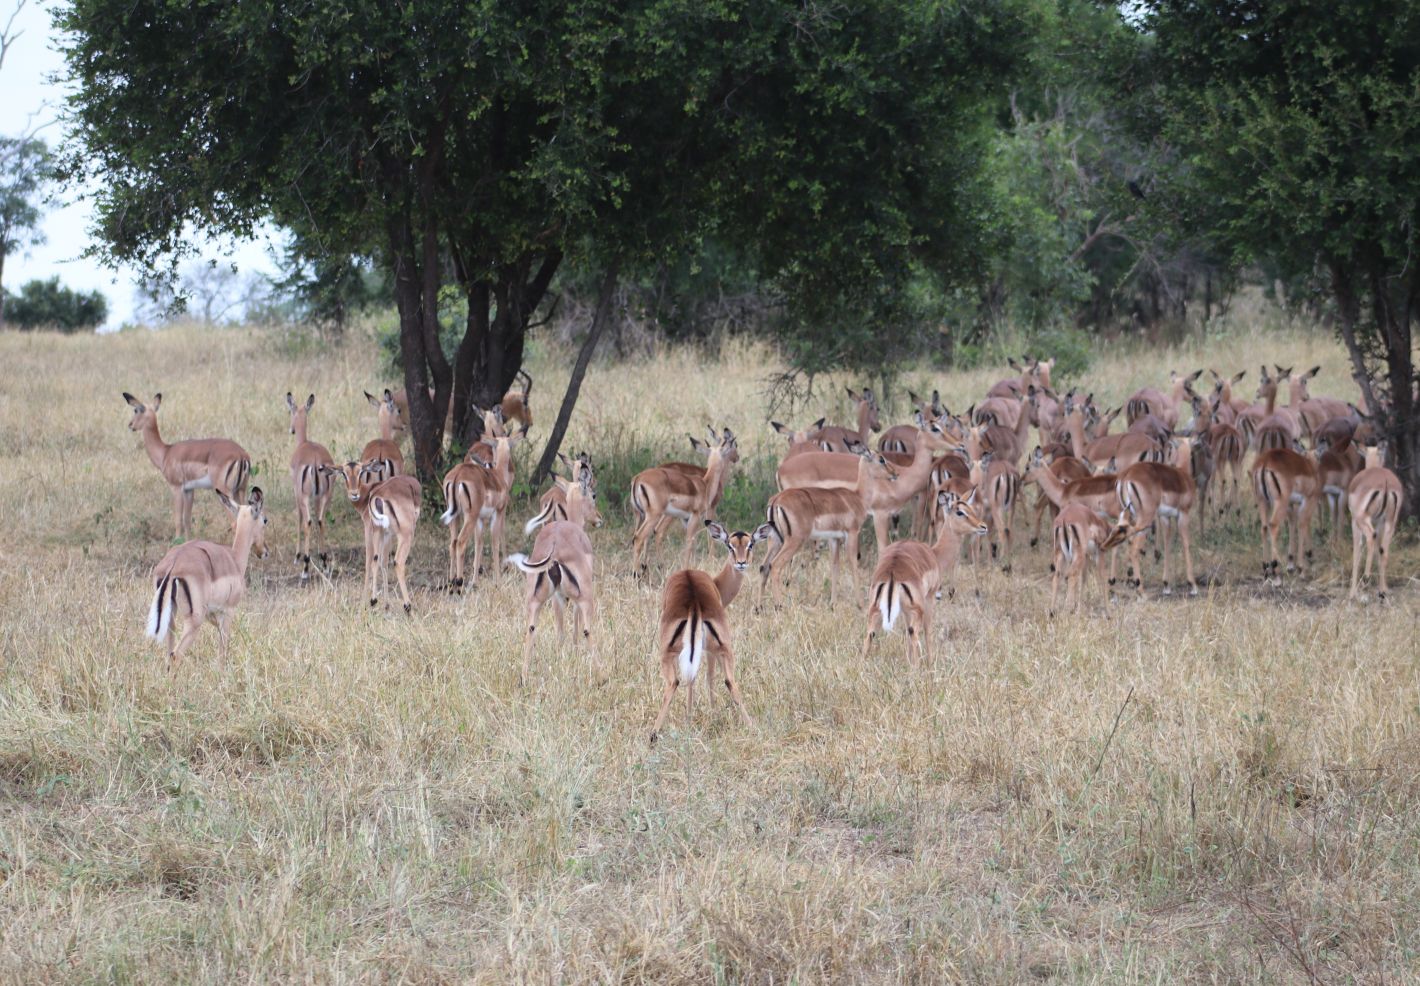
(371, 560)
(667, 692)
(725, 662)
(1386, 532)
(476, 519)
(497, 533)
(1304, 530)
(535, 601)
(693, 525)
(875, 625)
(322, 505)
(1056, 563)
(880, 530)
(401, 561)
(779, 577)
(1186, 538)
(223, 620)
(833, 563)
(190, 626)
(928, 612)
(1358, 536)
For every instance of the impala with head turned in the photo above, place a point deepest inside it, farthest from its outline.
(694, 627)
(477, 493)
(561, 569)
(669, 492)
(389, 511)
(908, 576)
(215, 464)
(200, 581)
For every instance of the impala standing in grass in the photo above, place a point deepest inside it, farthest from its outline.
(694, 627)
(215, 464)
(389, 510)
(908, 576)
(1375, 498)
(200, 581)
(561, 568)
(311, 484)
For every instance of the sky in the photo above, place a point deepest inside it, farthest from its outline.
(32, 94)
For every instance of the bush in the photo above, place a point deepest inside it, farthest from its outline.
(48, 305)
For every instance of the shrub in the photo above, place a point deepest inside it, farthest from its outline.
(49, 305)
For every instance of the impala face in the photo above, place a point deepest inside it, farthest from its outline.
(142, 413)
(739, 544)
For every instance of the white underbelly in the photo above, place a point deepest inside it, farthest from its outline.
(205, 483)
(1298, 499)
(829, 535)
(678, 513)
(1166, 511)
(487, 513)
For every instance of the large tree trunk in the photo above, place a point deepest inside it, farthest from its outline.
(574, 385)
(491, 353)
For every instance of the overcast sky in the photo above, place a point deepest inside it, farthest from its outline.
(31, 94)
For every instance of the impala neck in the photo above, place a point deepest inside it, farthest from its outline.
(243, 538)
(728, 583)
(715, 469)
(1269, 396)
(1075, 426)
(153, 443)
(386, 424)
(864, 410)
(1049, 484)
(298, 425)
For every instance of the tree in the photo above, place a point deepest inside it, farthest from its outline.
(24, 173)
(1297, 124)
(478, 143)
(49, 305)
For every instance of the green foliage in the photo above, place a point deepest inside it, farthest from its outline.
(49, 305)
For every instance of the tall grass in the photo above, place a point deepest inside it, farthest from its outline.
(1222, 789)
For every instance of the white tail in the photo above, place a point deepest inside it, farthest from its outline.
(890, 604)
(160, 616)
(694, 646)
(378, 515)
(542, 518)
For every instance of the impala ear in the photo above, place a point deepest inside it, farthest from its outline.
(696, 444)
(818, 425)
(1311, 373)
(310, 402)
(1239, 375)
(971, 497)
(851, 392)
(290, 402)
(256, 499)
(157, 402)
(1011, 362)
(762, 533)
(226, 501)
(133, 402)
(717, 531)
(781, 429)
(919, 421)
(913, 398)
(1194, 375)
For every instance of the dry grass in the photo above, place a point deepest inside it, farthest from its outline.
(1223, 789)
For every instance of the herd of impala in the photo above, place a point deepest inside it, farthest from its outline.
(955, 480)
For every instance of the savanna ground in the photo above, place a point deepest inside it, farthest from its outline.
(1220, 789)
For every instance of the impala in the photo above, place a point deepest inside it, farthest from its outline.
(1077, 537)
(310, 483)
(1284, 419)
(382, 453)
(667, 491)
(516, 405)
(828, 470)
(1124, 449)
(908, 577)
(1150, 491)
(1227, 445)
(802, 514)
(694, 628)
(868, 421)
(563, 570)
(1285, 486)
(1065, 468)
(477, 493)
(389, 510)
(1163, 406)
(215, 464)
(1002, 486)
(553, 504)
(804, 439)
(903, 438)
(199, 581)
(1228, 407)
(1375, 499)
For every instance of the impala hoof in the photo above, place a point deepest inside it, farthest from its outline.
(374, 603)
(408, 608)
